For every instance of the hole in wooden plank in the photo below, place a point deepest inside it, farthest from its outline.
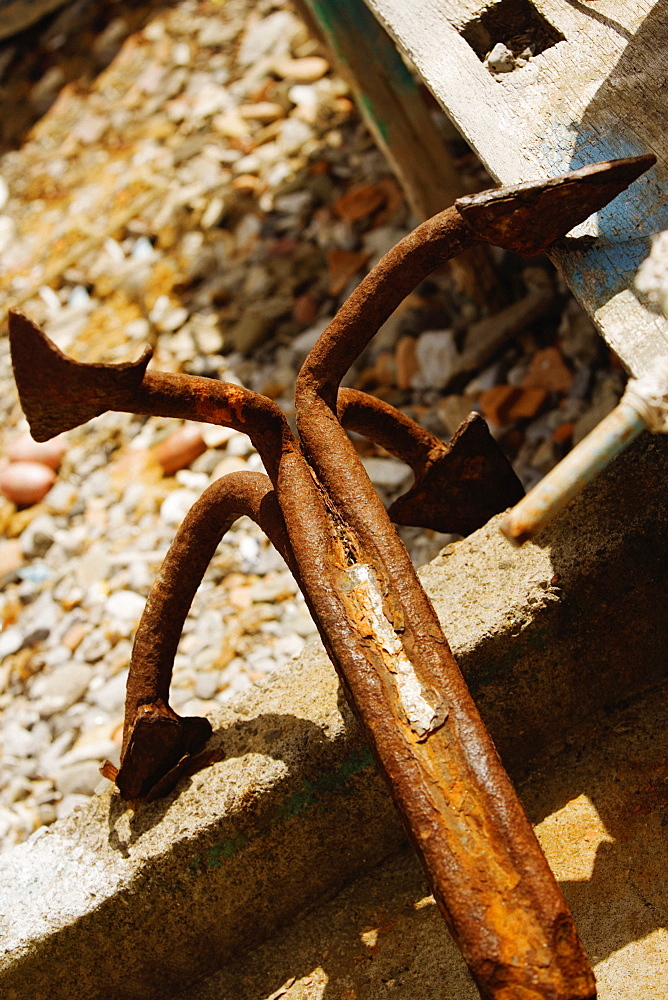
(517, 25)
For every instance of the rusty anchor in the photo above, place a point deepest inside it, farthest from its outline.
(317, 505)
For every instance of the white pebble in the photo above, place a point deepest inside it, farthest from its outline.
(142, 249)
(7, 232)
(111, 696)
(125, 605)
(239, 445)
(79, 298)
(94, 646)
(500, 59)
(11, 640)
(437, 357)
(207, 684)
(249, 550)
(176, 505)
(62, 687)
(388, 473)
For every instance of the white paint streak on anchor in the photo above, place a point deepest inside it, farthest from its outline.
(360, 584)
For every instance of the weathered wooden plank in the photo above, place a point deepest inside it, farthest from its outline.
(598, 91)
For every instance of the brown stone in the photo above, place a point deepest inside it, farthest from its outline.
(26, 483)
(25, 449)
(304, 309)
(360, 202)
(343, 266)
(11, 556)
(406, 361)
(247, 184)
(385, 369)
(75, 635)
(180, 449)
(563, 433)
(502, 404)
(548, 371)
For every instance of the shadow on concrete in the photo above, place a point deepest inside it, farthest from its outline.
(281, 736)
(385, 933)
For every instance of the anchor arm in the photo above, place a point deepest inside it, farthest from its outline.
(155, 739)
(458, 486)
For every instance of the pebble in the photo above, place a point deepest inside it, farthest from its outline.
(26, 483)
(11, 557)
(452, 410)
(500, 59)
(11, 640)
(230, 463)
(176, 505)
(94, 646)
(305, 70)
(111, 696)
(386, 473)
(79, 779)
(62, 687)
(39, 536)
(436, 354)
(25, 449)
(504, 403)
(407, 362)
(548, 371)
(126, 605)
(180, 449)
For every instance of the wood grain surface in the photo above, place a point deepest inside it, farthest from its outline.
(598, 91)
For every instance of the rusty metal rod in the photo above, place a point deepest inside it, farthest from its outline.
(484, 863)
(155, 738)
(486, 868)
(385, 425)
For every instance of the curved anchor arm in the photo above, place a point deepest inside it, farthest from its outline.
(155, 739)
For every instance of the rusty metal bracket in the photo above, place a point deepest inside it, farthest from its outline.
(484, 864)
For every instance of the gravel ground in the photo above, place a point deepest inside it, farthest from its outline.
(195, 176)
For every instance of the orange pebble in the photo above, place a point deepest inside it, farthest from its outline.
(563, 433)
(26, 483)
(180, 449)
(25, 449)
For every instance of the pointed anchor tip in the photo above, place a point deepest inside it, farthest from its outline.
(58, 393)
(528, 218)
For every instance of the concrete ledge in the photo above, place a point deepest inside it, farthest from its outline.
(603, 832)
(115, 904)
